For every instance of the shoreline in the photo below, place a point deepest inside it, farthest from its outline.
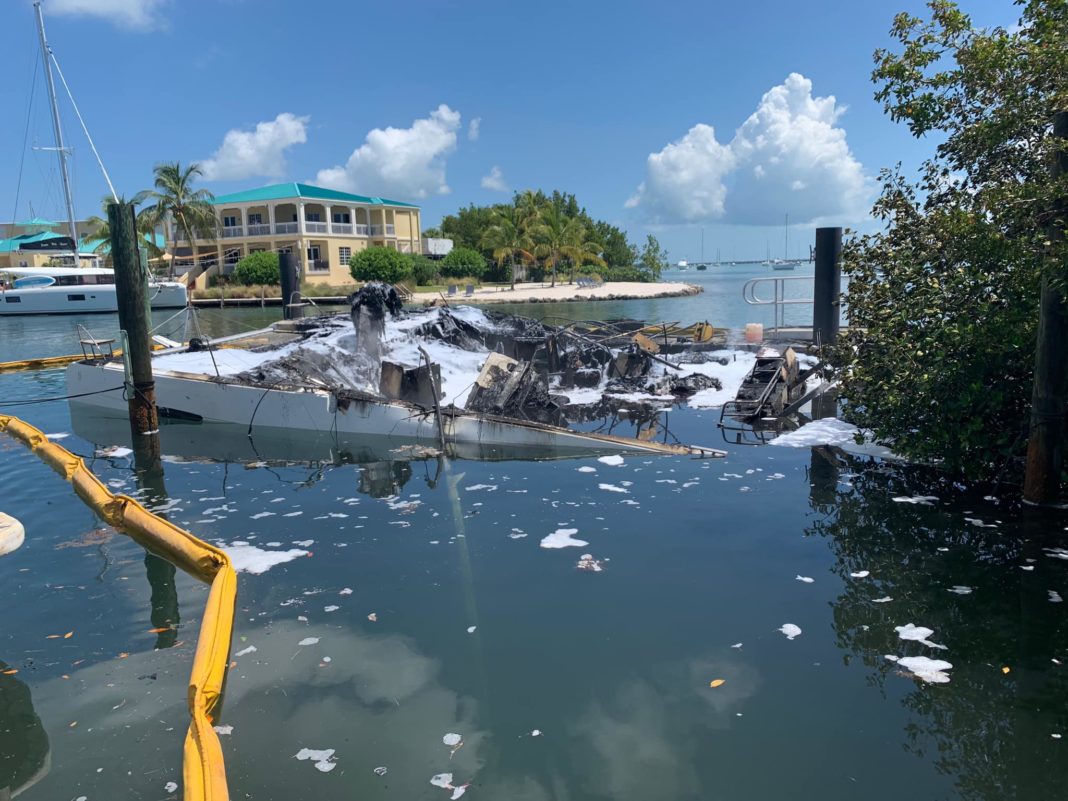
(566, 293)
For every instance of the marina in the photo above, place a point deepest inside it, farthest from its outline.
(340, 469)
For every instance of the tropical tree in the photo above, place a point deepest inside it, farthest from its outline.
(560, 237)
(509, 238)
(190, 210)
(100, 229)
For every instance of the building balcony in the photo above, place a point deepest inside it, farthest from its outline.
(361, 230)
(233, 232)
(318, 266)
(391, 230)
(315, 227)
(341, 228)
(259, 229)
(286, 228)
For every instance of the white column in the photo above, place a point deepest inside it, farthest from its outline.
(300, 217)
(352, 218)
(244, 221)
(270, 217)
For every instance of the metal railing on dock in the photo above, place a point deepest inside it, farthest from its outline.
(779, 300)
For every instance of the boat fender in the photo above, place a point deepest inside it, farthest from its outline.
(12, 534)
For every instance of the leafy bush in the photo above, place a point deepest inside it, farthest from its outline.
(424, 270)
(380, 264)
(463, 262)
(258, 268)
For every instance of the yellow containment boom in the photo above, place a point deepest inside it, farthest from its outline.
(204, 772)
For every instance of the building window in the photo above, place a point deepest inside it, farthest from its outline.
(344, 254)
(285, 250)
(229, 222)
(342, 218)
(312, 216)
(255, 219)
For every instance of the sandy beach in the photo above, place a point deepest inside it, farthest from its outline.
(563, 293)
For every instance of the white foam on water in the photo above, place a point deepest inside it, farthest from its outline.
(477, 487)
(587, 469)
(114, 452)
(1054, 597)
(245, 651)
(860, 574)
(805, 579)
(346, 591)
(250, 559)
(309, 641)
(452, 738)
(613, 488)
(829, 431)
(223, 729)
(170, 787)
(790, 630)
(960, 589)
(561, 538)
(323, 759)
(884, 600)
(917, 634)
(932, 671)
(922, 500)
(615, 460)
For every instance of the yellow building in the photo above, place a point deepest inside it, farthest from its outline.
(322, 228)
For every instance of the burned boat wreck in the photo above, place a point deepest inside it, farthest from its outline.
(438, 376)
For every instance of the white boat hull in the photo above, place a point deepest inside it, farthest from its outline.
(197, 398)
(83, 299)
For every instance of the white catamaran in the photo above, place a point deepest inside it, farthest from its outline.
(71, 289)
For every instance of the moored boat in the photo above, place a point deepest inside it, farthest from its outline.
(75, 290)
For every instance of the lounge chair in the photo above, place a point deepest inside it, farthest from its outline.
(470, 291)
(452, 290)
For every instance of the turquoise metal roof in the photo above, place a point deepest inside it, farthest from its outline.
(39, 221)
(288, 190)
(16, 242)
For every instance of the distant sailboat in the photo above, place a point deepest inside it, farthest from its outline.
(785, 263)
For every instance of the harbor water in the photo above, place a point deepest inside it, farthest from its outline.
(401, 619)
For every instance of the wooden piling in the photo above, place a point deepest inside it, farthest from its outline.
(1049, 393)
(827, 286)
(131, 286)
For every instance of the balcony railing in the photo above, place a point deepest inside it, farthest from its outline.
(391, 230)
(376, 230)
(233, 231)
(259, 229)
(318, 266)
(361, 230)
(314, 227)
(340, 228)
(286, 228)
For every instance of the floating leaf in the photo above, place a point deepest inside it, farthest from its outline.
(68, 635)
(11, 672)
(1006, 669)
(717, 682)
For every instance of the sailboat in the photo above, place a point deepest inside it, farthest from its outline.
(69, 288)
(785, 263)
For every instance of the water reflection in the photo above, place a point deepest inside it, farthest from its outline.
(25, 753)
(972, 571)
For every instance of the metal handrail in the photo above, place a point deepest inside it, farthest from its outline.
(779, 301)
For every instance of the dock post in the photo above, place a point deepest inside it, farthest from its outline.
(130, 290)
(1049, 394)
(289, 283)
(827, 288)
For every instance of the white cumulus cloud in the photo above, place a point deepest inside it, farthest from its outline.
(474, 128)
(400, 162)
(789, 157)
(137, 14)
(494, 181)
(261, 151)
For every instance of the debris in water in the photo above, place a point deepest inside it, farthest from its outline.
(587, 562)
(444, 780)
(615, 460)
(960, 589)
(790, 630)
(717, 683)
(923, 500)
(471, 629)
(884, 600)
(737, 645)
(250, 559)
(331, 608)
(613, 488)
(308, 641)
(860, 574)
(932, 671)
(170, 787)
(917, 634)
(114, 452)
(805, 579)
(346, 591)
(1054, 597)
(324, 760)
(223, 729)
(381, 771)
(245, 651)
(561, 538)
(536, 733)
(373, 617)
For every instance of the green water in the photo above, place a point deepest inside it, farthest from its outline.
(613, 668)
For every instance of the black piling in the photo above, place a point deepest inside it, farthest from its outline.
(290, 285)
(827, 290)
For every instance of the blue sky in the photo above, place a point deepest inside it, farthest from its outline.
(379, 98)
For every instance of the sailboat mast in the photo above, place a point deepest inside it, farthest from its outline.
(57, 128)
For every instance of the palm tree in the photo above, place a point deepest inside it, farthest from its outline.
(509, 237)
(560, 237)
(100, 229)
(190, 210)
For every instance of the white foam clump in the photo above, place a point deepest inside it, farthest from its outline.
(587, 469)
(223, 729)
(790, 630)
(114, 452)
(477, 487)
(860, 574)
(884, 600)
(309, 641)
(324, 759)
(1054, 597)
(615, 460)
(170, 787)
(932, 671)
(829, 431)
(613, 488)
(923, 500)
(805, 579)
(918, 634)
(452, 738)
(561, 538)
(246, 651)
(960, 589)
(250, 559)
